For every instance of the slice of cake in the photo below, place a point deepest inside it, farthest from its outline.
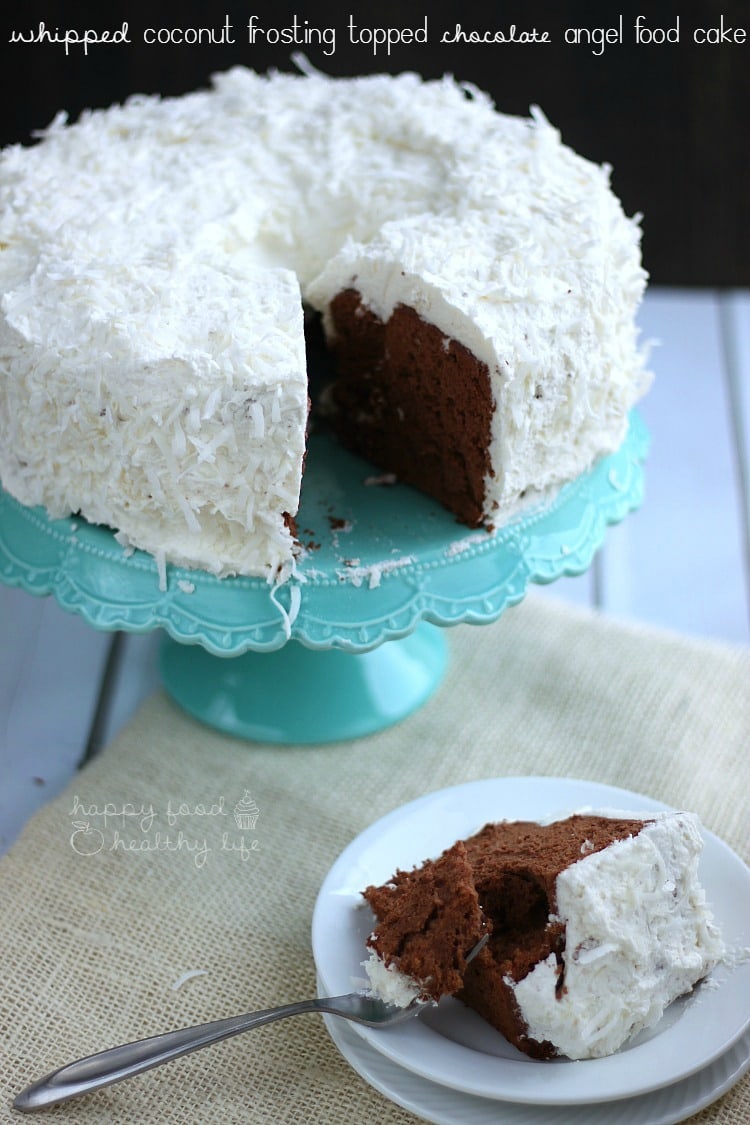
(429, 920)
(597, 923)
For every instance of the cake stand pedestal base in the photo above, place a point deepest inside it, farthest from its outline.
(300, 695)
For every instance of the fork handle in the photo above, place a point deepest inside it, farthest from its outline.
(129, 1059)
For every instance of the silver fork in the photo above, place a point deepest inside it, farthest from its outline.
(117, 1063)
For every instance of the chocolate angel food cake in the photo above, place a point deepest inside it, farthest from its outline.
(596, 924)
(477, 283)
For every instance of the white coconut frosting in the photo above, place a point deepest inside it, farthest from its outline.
(389, 984)
(638, 934)
(154, 261)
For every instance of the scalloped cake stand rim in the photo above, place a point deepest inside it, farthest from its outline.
(339, 596)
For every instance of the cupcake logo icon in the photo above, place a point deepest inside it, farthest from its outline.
(246, 812)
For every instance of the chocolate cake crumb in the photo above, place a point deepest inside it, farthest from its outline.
(430, 939)
(414, 402)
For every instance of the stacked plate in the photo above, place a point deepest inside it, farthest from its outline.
(448, 1065)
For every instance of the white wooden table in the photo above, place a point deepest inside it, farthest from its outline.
(683, 562)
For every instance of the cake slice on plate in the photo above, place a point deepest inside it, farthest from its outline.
(597, 923)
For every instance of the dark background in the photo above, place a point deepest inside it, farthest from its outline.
(671, 119)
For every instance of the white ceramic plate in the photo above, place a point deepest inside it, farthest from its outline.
(442, 1106)
(452, 1046)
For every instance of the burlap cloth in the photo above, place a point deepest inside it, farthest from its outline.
(98, 924)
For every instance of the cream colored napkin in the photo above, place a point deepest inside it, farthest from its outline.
(127, 881)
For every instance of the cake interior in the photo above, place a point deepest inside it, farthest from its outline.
(413, 402)
(429, 942)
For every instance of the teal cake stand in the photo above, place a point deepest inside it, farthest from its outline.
(354, 641)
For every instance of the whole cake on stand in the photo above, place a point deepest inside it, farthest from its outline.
(476, 282)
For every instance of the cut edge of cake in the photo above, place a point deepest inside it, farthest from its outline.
(422, 954)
